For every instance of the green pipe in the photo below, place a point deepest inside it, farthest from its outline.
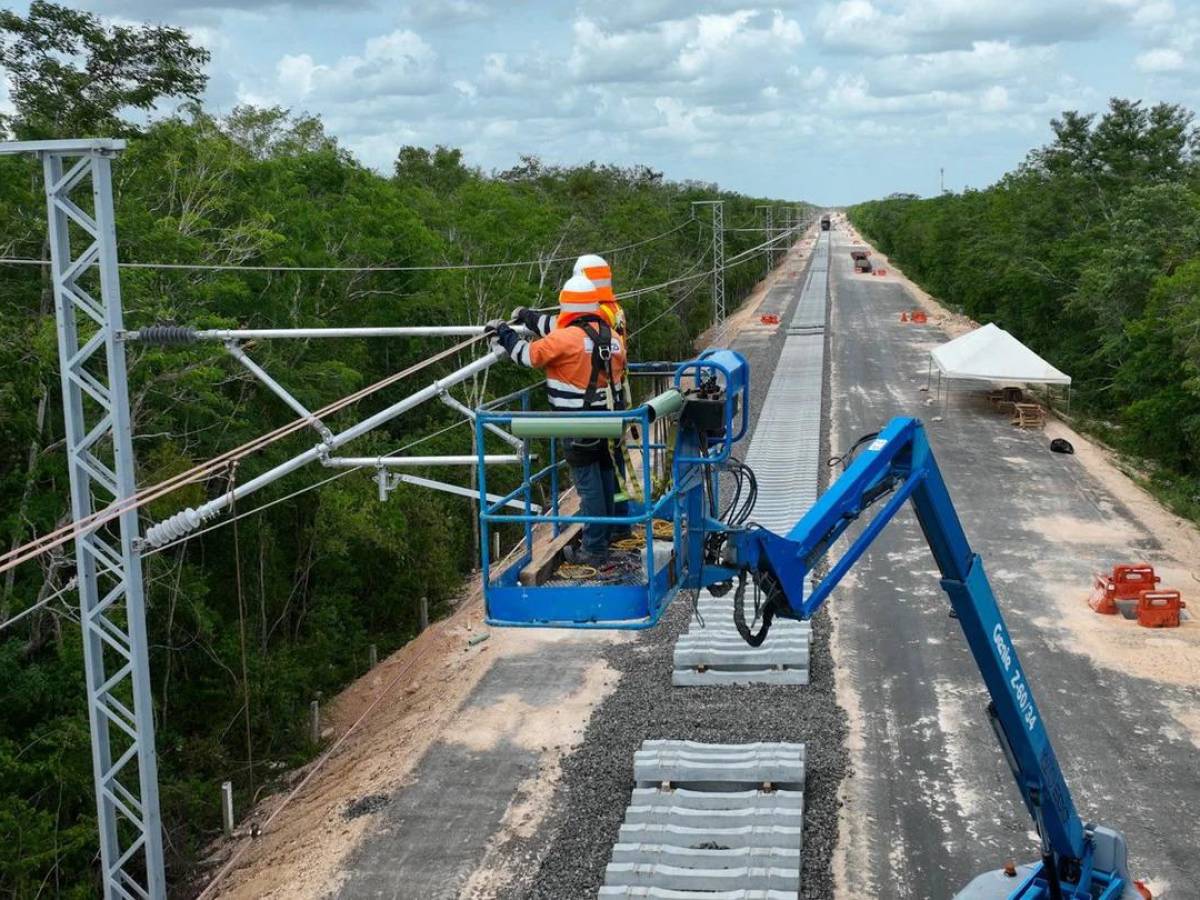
(559, 426)
(665, 404)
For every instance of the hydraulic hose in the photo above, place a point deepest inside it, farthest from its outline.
(739, 615)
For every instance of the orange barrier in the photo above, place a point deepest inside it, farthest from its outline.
(769, 319)
(1159, 609)
(1125, 583)
(918, 316)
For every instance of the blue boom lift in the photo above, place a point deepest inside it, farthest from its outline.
(723, 552)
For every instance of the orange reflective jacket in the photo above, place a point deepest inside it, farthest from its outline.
(566, 356)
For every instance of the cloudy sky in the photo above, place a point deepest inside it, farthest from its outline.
(824, 101)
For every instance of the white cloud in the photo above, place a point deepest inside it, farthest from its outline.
(526, 74)
(399, 64)
(1156, 12)
(930, 25)
(986, 63)
(814, 79)
(719, 52)
(598, 55)
(639, 13)
(444, 12)
(1162, 59)
(6, 104)
(994, 99)
(724, 42)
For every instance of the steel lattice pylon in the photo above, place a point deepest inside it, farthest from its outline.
(718, 254)
(769, 235)
(87, 298)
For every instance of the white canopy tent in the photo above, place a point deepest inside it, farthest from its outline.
(993, 355)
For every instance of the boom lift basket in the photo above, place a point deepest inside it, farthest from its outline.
(722, 408)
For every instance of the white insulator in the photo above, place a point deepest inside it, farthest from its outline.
(174, 527)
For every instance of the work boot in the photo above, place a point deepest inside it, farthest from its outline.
(578, 556)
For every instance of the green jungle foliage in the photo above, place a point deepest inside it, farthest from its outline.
(1089, 253)
(249, 623)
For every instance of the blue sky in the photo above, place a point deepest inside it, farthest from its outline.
(831, 102)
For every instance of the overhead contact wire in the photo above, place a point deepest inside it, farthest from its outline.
(448, 267)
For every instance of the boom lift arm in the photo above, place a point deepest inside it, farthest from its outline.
(1078, 862)
(714, 550)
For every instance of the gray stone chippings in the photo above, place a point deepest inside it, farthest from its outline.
(566, 858)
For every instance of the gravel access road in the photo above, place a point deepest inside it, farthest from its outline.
(931, 802)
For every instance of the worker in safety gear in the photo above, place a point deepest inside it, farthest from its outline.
(583, 357)
(597, 270)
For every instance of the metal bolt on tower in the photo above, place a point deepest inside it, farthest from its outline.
(87, 301)
(718, 255)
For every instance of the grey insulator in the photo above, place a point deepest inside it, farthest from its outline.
(167, 335)
(174, 527)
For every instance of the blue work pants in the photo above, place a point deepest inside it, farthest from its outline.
(595, 485)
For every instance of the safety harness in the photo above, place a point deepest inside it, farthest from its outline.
(601, 337)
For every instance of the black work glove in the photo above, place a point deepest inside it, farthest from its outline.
(524, 316)
(493, 326)
(503, 336)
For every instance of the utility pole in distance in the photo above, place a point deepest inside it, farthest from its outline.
(718, 255)
(769, 231)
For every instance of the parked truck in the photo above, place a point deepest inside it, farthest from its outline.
(824, 223)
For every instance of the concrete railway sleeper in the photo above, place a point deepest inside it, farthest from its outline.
(708, 817)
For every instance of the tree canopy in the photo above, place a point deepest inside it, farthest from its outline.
(72, 76)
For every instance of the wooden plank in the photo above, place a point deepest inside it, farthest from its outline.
(1028, 415)
(541, 567)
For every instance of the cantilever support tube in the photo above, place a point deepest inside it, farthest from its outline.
(390, 462)
(189, 519)
(455, 404)
(462, 491)
(246, 334)
(236, 351)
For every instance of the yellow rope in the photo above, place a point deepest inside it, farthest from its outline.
(577, 572)
(663, 531)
